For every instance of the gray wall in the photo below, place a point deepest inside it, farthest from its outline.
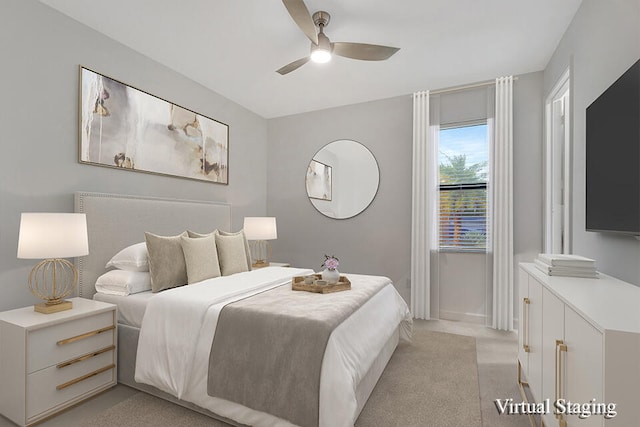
(527, 167)
(41, 52)
(601, 43)
(378, 240)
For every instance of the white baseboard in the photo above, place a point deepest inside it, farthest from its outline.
(479, 319)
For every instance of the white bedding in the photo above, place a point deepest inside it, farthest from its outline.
(131, 308)
(177, 362)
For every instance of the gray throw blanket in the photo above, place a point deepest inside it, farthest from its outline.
(268, 349)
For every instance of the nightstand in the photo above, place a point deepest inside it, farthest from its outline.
(279, 264)
(49, 362)
(272, 264)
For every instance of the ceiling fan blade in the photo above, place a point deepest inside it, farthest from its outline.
(301, 16)
(363, 51)
(293, 66)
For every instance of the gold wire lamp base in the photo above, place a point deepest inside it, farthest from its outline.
(52, 280)
(46, 308)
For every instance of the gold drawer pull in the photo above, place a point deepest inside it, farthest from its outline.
(84, 377)
(560, 347)
(87, 335)
(525, 327)
(85, 357)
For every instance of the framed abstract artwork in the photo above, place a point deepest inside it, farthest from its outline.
(124, 127)
(318, 180)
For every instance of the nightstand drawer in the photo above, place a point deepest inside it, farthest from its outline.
(64, 341)
(69, 380)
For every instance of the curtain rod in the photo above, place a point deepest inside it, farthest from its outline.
(463, 87)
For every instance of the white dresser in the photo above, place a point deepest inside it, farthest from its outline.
(49, 362)
(579, 340)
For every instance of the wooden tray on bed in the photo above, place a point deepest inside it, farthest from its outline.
(297, 284)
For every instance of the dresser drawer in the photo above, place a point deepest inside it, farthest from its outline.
(69, 381)
(57, 343)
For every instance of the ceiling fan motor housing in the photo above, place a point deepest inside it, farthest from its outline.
(321, 19)
(323, 43)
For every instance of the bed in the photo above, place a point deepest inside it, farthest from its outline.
(357, 350)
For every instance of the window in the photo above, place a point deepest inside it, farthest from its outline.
(463, 166)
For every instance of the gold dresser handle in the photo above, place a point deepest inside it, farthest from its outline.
(525, 326)
(85, 377)
(560, 347)
(85, 357)
(84, 336)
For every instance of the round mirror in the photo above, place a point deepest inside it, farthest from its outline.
(342, 179)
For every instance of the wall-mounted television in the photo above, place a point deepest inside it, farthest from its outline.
(613, 157)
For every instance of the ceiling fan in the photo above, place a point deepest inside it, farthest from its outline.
(321, 47)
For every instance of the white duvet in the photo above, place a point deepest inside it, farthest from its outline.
(179, 325)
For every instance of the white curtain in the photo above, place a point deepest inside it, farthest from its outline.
(501, 205)
(424, 204)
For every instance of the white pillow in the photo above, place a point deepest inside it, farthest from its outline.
(123, 282)
(131, 258)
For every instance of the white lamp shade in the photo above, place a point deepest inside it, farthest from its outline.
(260, 228)
(52, 235)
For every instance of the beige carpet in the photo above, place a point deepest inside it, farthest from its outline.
(431, 382)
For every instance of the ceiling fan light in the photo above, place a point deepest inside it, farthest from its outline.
(320, 56)
(321, 52)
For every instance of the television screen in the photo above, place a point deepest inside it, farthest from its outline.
(613, 157)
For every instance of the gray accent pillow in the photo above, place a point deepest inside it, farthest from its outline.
(247, 250)
(166, 261)
(232, 253)
(194, 234)
(201, 258)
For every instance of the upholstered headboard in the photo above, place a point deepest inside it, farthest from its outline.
(116, 221)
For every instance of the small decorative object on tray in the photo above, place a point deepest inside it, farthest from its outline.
(299, 283)
(330, 272)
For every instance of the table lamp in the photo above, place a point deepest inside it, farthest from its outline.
(258, 230)
(53, 237)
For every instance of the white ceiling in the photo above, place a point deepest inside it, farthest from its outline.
(234, 46)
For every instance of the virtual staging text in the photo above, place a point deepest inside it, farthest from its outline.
(559, 407)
